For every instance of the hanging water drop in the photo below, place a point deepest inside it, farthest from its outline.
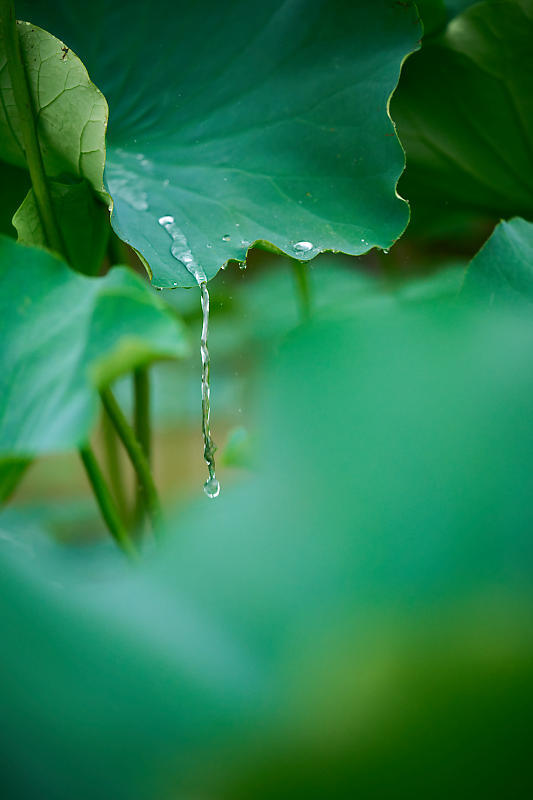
(212, 487)
(302, 247)
(180, 248)
(181, 251)
(386, 252)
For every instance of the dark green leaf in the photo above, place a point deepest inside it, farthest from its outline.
(67, 336)
(246, 122)
(83, 221)
(464, 112)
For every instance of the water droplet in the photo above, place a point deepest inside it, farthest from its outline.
(209, 246)
(226, 238)
(302, 247)
(386, 252)
(242, 265)
(166, 182)
(237, 225)
(212, 487)
(245, 243)
(180, 248)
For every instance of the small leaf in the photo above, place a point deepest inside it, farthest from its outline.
(67, 336)
(260, 122)
(83, 221)
(71, 112)
(502, 271)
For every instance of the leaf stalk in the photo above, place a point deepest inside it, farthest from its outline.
(137, 457)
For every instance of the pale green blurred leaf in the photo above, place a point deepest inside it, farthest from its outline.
(67, 336)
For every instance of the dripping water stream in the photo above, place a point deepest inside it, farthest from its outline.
(182, 252)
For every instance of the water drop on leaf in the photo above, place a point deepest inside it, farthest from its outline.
(303, 247)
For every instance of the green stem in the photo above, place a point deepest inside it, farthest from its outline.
(32, 150)
(136, 454)
(141, 424)
(141, 384)
(115, 474)
(105, 501)
(301, 275)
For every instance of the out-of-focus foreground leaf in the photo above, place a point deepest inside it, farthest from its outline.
(66, 336)
(355, 620)
(272, 128)
(464, 112)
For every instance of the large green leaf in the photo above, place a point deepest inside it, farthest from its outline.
(357, 615)
(66, 336)
(464, 110)
(245, 122)
(502, 271)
